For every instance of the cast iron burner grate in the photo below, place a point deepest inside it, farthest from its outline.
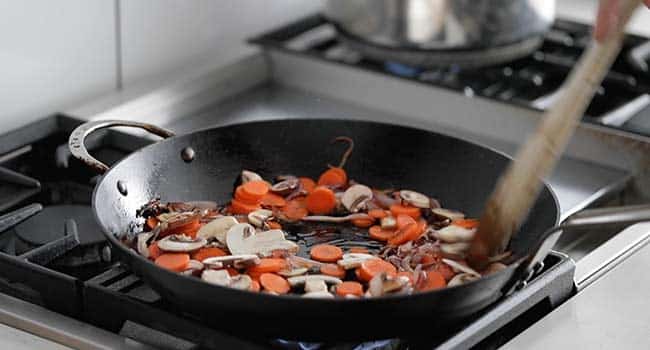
(119, 301)
(531, 81)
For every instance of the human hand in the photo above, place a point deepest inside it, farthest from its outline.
(608, 17)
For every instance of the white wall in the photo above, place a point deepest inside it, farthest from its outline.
(53, 54)
(56, 54)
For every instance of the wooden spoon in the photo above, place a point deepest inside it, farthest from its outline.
(518, 188)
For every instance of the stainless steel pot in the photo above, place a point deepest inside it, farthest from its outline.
(439, 26)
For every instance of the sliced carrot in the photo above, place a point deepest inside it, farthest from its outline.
(321, 201)
(269, 265)
(349, 288)
(273, 200)
(378, 213)
(357, 273)
(332, 270)
(152, 222)
(173, 261)
(295, 209)
(333, 177)
(445, 270)
(466, 223)
(362, 250)
(274, 225)
(255, 286)
(154, 251)
(363, 223)
(190, 229)
(372, 267)
(208, 252)
(413, 212)
(244, 198)
(408, 274)
(378, 233)
(307, 184)
(326, 253)
(428, 259)
(239, 207)
(422, 225)
(255, 276)
(405, 234)
(232, 271)
(434, 280)
(255, 189)
(403, 220)
(274, 283)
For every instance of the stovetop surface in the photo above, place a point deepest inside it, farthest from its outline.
(530, 82)
(69, 268)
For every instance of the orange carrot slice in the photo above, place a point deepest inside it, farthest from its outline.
(349, 288)
(372, 267)
(173, 261)
(274, 283)
(376, 232)
(333, 177)
(208, 252)
(332, 270)
(326, 253)
(413, 212)
(321, 201)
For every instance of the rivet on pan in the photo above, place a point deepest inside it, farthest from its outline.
(188, 154)
(121, 186)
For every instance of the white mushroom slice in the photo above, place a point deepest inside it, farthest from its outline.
(142, 246)
(242, 239)
(494, 267)
(458, 267)
(294, 272)
(212, 264)
(356, 197)
(415, 199)
(454, 234)
(382, 284)
(388, 223)
(218, 277)
(458, 249)
(319, 294)
(247, 176)
(238, 261)
(243, 282)
(193, 266)
(315, 286)
(353, 260)
(217, 228)
(461, 279)
(180, 243)
(448, 214)
(336, 219)
(375, 285)
(285, 187)
(258, 217)
(300, 280)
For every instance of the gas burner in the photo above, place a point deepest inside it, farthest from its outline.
(50, 225)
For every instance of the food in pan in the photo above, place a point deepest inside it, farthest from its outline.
(326, 238)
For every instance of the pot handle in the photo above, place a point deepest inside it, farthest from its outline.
(588, 218)
(78, 136)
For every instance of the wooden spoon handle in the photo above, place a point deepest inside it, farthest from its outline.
(518, 188)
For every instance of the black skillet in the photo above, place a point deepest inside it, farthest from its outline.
(203, 165)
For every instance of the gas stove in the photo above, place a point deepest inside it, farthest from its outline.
(59, 280)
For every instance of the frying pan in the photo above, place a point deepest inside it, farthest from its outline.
(203, 165)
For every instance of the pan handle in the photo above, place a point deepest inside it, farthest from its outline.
(589, 218)
(79, 135)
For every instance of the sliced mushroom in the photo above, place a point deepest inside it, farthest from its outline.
(353, 260)
(356, 197)
(259, 217)
(336, 219)
(286, 186)
(217, 228)
(448, 214)
(494, 267)
(319, 294)
(237, 261)
(456, 249)
(242, 239)
(193, 266)
(454, 234)
(388, 223)
(142, 245)
(293, 272)
(218, 277)
(461, 279)
(382, 284)
(247, 176)
(415, 199)
(181, 243)
(315, 286)
(242, 282)
(301, 280)
(458, 267)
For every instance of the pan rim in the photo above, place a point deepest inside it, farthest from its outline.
(124, 249)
